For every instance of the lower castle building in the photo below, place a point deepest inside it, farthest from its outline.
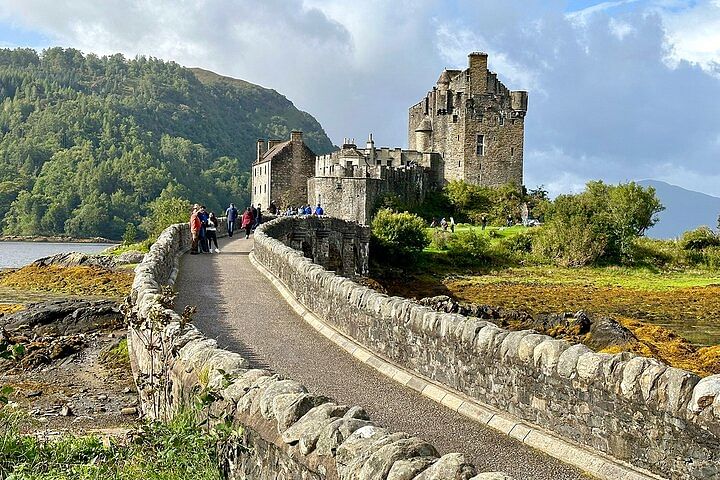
(469, 127)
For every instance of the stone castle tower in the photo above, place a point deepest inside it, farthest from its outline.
(474, 123)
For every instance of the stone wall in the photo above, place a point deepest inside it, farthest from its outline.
(287, 433)
(633, 408)
(333, 243)
(356, 198)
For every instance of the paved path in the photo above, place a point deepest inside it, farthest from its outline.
(240, 308)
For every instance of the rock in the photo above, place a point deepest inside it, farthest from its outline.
(607, 332)
(408, 469)
(378, 465)
(306, 431)
(492, 476)
(704, 393)
(296, 409)
(66, 411)
(33, 393)
(131, 257)
(102, 397)
(450, 466)
(278, 388)
(76, 259)
(64, 317)
(129, 411)
(336, 432)
(127, 390)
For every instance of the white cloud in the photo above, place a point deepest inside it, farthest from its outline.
(604, 101)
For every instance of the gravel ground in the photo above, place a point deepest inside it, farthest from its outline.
(239, 307)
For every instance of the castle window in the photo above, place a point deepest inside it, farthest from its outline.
(512, 151)
(480, 146)
(455, 118)
(427, 105)
(501, 120)
(459, 163)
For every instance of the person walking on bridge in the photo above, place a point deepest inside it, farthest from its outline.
(232, 214)
(195, 225)
(247, 222)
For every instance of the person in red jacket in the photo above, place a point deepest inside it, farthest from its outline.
(195, 226)
(247, 221)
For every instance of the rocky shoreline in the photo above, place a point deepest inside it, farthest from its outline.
(55, 239)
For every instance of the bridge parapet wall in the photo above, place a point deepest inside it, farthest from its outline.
(635, 409)
(337, 245)
(287, 432)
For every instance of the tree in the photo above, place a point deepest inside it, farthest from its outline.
(163, 212)
(601, 223)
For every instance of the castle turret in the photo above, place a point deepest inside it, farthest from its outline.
(519, 101)
(423, 133)
(261, 148)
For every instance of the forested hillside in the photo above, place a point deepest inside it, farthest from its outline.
(89, 144)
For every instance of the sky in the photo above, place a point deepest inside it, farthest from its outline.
(618, 90)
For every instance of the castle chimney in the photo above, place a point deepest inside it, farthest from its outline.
(296, 136)
(272, 143)
(477, 72)
(370, 146)
(261, 149)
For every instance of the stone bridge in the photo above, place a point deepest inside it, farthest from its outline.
(514, 402)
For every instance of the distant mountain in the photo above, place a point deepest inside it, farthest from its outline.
(684, 209)
(88, 143)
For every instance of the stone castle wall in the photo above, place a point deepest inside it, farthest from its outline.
(633, 408)
(356, 198)
(287, 432)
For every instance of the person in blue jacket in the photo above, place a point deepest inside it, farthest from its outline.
(232, 215)
(319, 210)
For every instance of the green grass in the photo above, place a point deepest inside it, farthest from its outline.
(179, 450)
(639, 278)
(116, 356)
(142, 247)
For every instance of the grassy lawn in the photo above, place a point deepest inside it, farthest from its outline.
(496, 234)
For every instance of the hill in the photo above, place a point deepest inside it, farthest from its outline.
(88, 143)
(685, 209)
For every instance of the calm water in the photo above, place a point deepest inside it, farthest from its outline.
(17, 254)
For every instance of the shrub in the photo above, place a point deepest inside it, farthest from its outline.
(699, 239)
(520, 243)
(400, 236)
(468, 246)
(440, 239)
(574, 244)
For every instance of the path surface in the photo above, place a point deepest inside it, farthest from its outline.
(241, 309)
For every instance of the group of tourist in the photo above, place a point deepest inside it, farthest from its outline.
(204, 225)
(443, 223)
(304, 210)
(251, 217)
(203, 230)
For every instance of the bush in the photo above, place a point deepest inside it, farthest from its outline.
(574, 244)
(468, 246)
(699, 239)
(520, 243)
(440, 239)
(400, 236)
